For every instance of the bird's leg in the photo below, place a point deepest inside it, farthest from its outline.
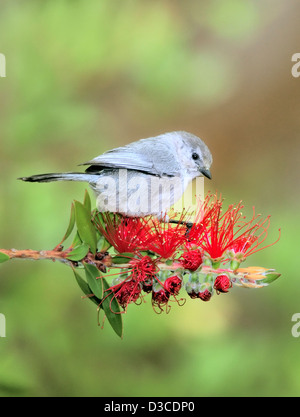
(188, 225)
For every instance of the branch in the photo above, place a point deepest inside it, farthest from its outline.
(100, 260)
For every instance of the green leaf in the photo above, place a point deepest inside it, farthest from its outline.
(109, 304)
(85, 228)
(112, 310)
(76, 241)
(85, 288)
(103, 245)
(147, 253)
(94, 282)
(82, 284)
(3, 257)
(87, 201)
(78, 253)
(270, 277)
(71, 224)
(122, 258)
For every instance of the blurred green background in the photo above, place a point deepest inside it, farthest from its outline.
(83, 77)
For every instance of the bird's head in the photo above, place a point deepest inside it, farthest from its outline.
(195, 156)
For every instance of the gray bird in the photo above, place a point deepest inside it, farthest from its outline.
(144, 177)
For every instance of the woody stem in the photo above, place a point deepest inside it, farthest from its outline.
(54, 255)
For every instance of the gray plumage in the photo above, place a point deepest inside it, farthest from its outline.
(171, 156)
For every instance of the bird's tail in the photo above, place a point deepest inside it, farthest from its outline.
(66, 176)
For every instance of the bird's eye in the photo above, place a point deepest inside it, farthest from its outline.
(195, 156)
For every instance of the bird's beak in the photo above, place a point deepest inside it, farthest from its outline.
(206, 173)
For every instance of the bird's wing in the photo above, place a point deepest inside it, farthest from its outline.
(144, 155)
(119, 159)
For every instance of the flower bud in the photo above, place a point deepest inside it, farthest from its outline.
(205, 295)
(222, 283)
(205, 291)
(255, 276)
(192, 288)
(255, 272)
(173, 285)
(191, 259)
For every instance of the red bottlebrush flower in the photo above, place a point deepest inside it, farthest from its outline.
(229, 230)
(143, 269)
(218, 233)
(249, 240)
(173, 284)
(242, 244)
(165, 238)
(125, 234)
(222, 283)
(160, 299)
(205, 295)
(127, 292)
(201, 220)
(191, 259)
